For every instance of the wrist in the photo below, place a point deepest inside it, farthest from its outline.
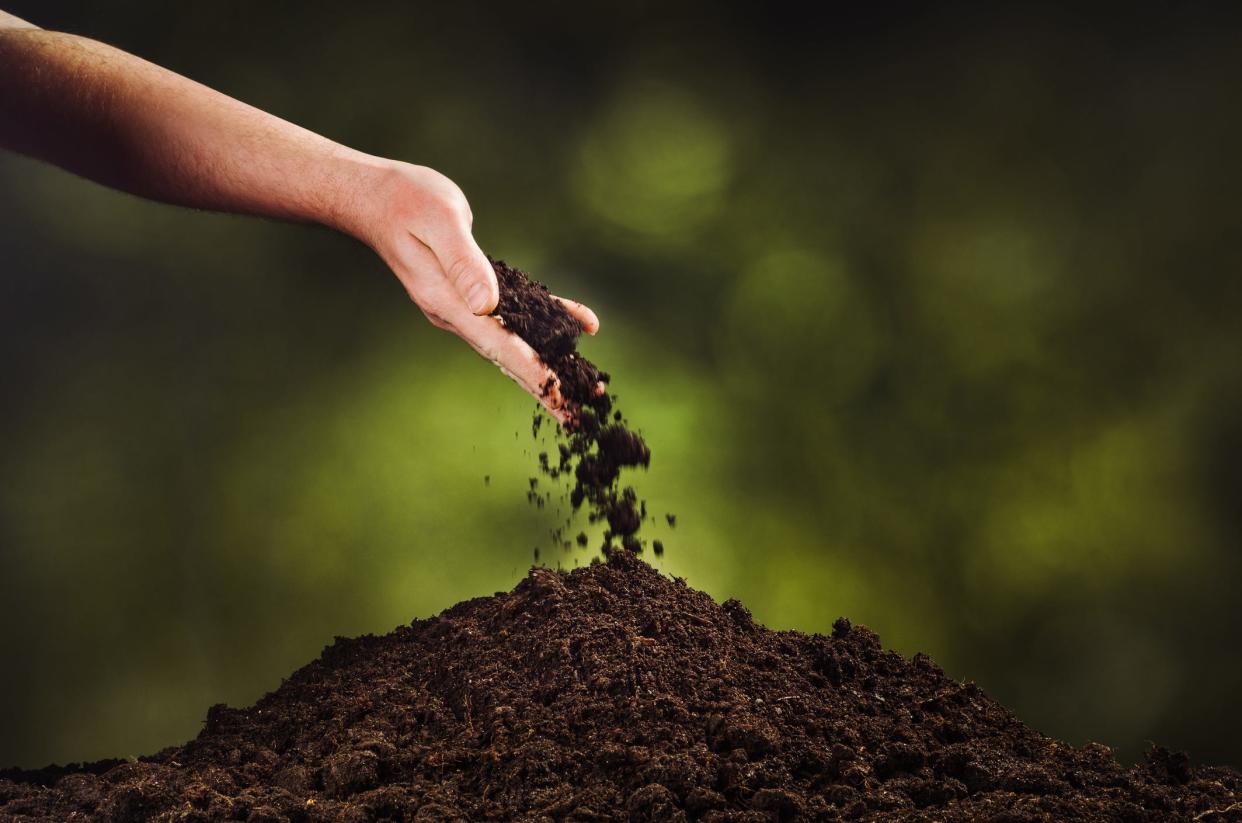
(358, 193)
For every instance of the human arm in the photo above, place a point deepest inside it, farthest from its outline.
(127, 123)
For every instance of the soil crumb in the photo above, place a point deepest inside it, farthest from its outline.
(597, 445)
(612, 693)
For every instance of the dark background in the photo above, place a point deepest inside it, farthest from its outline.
(930, 319)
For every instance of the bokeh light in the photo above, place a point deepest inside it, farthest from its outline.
(927, 324)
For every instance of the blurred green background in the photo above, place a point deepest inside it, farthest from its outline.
(931, 319)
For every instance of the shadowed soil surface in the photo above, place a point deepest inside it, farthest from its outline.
(614, 693)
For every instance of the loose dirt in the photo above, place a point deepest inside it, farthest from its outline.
(614, 693)
(598, 444)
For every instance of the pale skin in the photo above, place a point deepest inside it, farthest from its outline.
(119, 120)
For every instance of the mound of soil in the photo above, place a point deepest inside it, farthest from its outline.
(598, 443)
(613, 693)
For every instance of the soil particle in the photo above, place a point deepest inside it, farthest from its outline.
(612, 693)
(596, 450)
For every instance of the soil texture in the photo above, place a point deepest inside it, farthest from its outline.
(597, 445)
(614, 693)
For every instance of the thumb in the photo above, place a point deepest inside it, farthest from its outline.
(469, 270)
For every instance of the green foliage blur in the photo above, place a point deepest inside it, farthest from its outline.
(930, 320)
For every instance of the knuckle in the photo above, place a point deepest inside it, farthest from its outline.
(459, 268)
(452, 200)
(428, 178)
(426, 190)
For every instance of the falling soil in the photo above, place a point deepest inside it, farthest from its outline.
(597, 443)
(614, 693)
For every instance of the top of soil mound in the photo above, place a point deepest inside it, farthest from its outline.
(613, 693)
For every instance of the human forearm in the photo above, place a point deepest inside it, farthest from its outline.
(127, 123)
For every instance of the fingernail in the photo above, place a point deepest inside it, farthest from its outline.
(476, 298)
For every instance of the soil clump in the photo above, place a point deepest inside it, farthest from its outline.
(613, 693)
(597, 445)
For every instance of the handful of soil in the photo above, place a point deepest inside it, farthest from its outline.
(612, 693)
(598, 443)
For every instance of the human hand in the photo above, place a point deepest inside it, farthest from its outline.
(127, 123)
(422, 230)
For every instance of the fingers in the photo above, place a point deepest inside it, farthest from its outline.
(470, 272)
(464, 263)
(585, 317)
(419, 266)
(516, 359)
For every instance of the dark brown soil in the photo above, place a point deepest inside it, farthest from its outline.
(598, 443)
(613, 693)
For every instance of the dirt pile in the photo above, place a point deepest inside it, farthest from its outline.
(613, 693)
(598, 444)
